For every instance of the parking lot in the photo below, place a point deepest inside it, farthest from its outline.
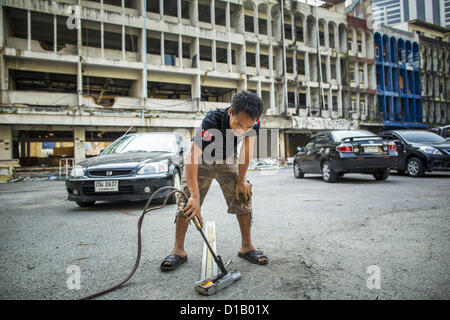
(321, 239)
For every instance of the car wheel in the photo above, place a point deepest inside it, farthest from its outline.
(85, 204)
(176, 183)
(381, 175)
(415, 167)
(328, 175)
(298, 173)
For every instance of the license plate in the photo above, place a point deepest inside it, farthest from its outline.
(371, 149)
(107, 186)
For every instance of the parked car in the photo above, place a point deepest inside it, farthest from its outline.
(131, 168)
(442, 131)
(420, 151)
(334, 153)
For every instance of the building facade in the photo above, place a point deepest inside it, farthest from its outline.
(398, 78)
(86, 71)
(392, 12)
(434, 50)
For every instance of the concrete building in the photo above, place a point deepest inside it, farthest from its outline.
(81, 72)
(398, 78)
(434, 50)
(392, 12)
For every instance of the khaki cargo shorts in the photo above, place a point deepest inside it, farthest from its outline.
(226, 175)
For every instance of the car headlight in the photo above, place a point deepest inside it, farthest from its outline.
(154, 167)
(430, 150)
(77, 171)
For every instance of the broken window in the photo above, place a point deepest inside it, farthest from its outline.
(217, 94)
(167, 90)
(204, 13)
(42, 81)
(250, 59)
(104, 90)
(249, 26)
(153, 6)
(170, 51)
(42, 30)
(206, 52)
(287, 27)
(219, 14)
(170, 8)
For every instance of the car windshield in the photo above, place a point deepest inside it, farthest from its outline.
(339, 135)
(143, 143)
(421, 136)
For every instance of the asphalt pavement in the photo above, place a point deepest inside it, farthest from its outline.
(354, 239)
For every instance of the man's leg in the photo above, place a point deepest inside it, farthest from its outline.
(245, 226)
(226, 176)
(204, 182)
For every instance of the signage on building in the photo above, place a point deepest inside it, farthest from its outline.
(323, 123)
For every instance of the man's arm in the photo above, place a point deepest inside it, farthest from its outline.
(245, 155)
(191, 162)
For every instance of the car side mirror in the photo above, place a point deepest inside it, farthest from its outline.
(299, 149)
(397, 141)
(101, 151)
(181, 151)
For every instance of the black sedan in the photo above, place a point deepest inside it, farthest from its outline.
(420, 151)
(131, 168)
(334, 153)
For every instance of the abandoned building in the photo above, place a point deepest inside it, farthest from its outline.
(78, 74)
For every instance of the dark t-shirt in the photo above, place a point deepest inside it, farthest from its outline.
(215, 136)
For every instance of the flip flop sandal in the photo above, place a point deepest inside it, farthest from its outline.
(174, 260)
(253, 256)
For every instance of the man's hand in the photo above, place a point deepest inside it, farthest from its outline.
(192, 209)
(245, 188)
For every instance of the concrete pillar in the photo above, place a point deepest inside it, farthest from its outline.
(3, 73)
(2, 30)
(102, 30)
(272, 99)
(338, 70)
(227, 17)
(241, 60)
(258, 61)
(214, 53)
(195, 87)
(195, 52)
(213, 14)
(271, 60)
(28, 30)
(79, 84)
(123, 40)
(6, 142)
(162, 49)
(255, 19)
(269, 22)
(180, 51)
(328, 68)
(161, 9)
(193, 9)
(55, 32)
(307, 73)
(330, 102)
(229, 57)
(79, 134)
(308, 100)
(281, 142)
(179, 13)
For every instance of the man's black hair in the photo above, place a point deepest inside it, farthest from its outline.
(247, 102)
